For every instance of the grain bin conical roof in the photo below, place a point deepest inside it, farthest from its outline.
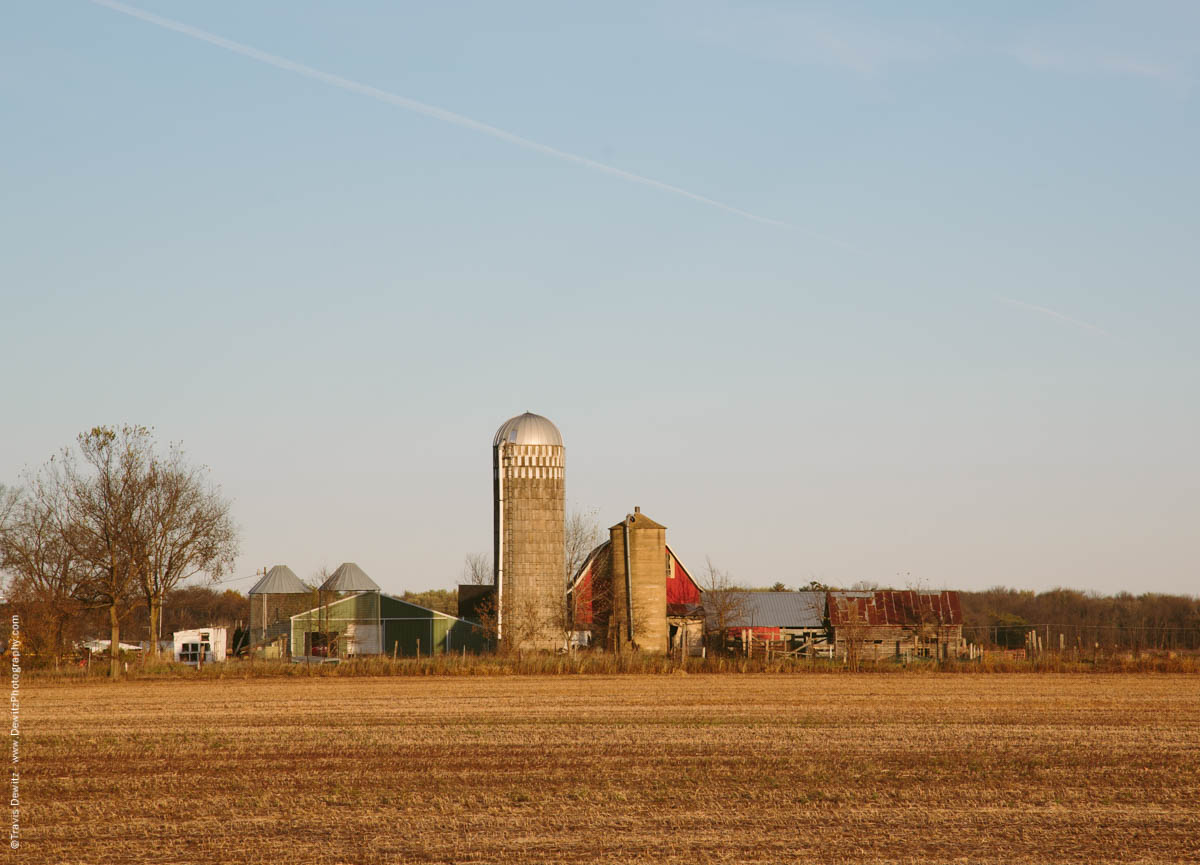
(280, 580)
(349, 577)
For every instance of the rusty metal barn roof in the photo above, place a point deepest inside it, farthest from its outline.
(903, 608)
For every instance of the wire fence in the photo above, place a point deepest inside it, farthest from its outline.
(1062, 636)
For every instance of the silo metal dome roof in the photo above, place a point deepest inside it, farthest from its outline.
(528, 429)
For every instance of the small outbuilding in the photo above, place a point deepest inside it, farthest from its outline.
(896, 624)
(200, 646)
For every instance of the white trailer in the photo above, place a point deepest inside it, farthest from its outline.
(200, 646)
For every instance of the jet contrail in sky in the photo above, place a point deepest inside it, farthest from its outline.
(436, 113)
(447, 116)
(1053, 313)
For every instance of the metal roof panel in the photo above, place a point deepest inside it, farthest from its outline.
(779, 610)
(280, 580)
(349, 577)
(528, 429)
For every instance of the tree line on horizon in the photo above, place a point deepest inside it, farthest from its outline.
(105, 536)
(999, 617)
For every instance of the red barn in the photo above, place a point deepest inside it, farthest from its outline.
(685, 614)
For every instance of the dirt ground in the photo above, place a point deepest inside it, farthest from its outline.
(555, 769)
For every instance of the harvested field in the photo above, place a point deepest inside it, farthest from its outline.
(763, 768)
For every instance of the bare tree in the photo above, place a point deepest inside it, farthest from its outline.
(111, 521)
(489, 621)
(589, 601)
(865, 586)
(477, 570)
(573, 610)
(325, 600)
(581, 536)
(9, 498)
(45, 576)
(724, 603)
(523, 624)
(190, 532)
(849, 621)
(107, 517)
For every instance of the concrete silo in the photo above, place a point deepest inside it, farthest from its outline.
(638, 565)
(529, 496)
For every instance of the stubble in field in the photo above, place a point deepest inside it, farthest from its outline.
(620, 769)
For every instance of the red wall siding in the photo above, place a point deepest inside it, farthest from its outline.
(681, 588)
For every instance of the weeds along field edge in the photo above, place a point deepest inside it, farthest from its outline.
(611, 664)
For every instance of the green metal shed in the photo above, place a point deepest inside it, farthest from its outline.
(373, 623)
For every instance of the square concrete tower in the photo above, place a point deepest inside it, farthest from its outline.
(529, 496)
(638, 617)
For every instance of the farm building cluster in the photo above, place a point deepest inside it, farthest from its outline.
(348, 616)
(632, 593)
(616, 606)
(654, 606)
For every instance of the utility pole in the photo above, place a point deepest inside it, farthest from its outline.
(264, 621)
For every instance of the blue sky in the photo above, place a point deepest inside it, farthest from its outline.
(966, 356)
